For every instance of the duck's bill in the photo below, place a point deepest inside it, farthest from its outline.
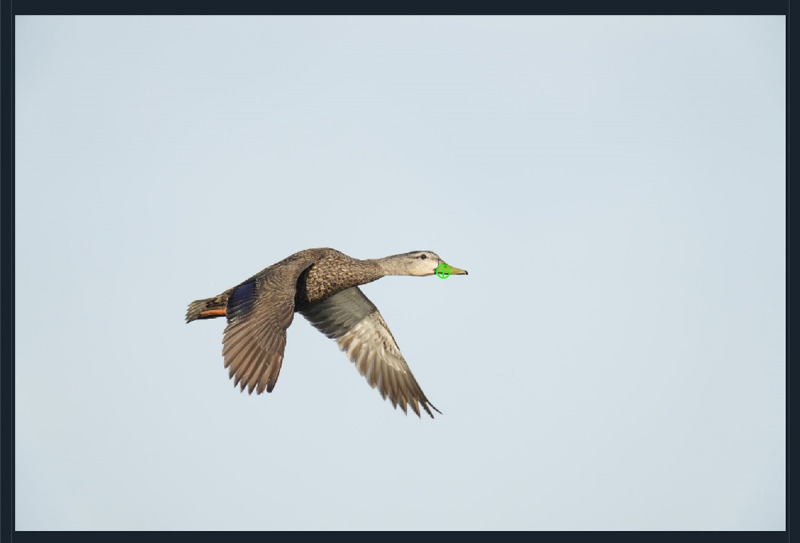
(457, 271)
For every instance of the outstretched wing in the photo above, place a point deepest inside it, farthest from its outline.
(259, 311)
(357, 326)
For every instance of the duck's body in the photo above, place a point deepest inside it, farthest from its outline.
(331, 272)
(321, 284)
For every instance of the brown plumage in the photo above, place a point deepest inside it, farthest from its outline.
(322, 285)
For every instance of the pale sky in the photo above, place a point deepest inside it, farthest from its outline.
(615, 186)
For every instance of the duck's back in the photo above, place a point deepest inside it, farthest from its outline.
(333, 272)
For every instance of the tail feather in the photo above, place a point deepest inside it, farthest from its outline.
(208, 308)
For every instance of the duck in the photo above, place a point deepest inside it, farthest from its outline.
(322, 285)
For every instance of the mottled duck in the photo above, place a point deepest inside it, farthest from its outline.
(322, 285)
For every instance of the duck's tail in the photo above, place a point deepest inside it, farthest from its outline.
(208, 308)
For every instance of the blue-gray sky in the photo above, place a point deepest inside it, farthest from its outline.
(615, 186)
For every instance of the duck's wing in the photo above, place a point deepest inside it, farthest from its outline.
(357, 326)
(259, 311)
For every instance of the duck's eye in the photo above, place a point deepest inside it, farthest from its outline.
(423, 257)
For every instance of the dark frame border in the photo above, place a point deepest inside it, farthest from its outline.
(11, 8)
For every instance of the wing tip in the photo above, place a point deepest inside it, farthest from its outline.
(425, 405)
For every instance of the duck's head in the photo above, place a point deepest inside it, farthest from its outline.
(417, 263)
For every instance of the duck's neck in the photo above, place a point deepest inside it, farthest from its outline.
(388, 265)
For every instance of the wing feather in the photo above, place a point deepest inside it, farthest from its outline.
(360, 331)
(259, 311)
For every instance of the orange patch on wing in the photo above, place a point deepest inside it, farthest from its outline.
(213, 313)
